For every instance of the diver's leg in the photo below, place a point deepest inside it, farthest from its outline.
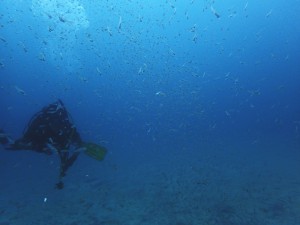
(63, 161)
(63, 156)
(65, 164)
(72, 159)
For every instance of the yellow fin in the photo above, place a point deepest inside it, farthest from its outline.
(95, 151)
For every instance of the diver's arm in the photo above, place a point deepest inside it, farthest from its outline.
(5, 139)
(7, 142)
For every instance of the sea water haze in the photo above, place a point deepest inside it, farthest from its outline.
(196, 102)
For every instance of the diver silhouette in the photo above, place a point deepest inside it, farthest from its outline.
(49, 131)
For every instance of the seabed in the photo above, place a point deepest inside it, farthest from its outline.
(241, 187)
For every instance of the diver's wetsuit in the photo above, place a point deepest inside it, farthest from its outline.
(48, 130)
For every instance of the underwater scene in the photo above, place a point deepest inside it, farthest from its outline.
(159, 112)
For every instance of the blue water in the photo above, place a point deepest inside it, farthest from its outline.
(197, 102)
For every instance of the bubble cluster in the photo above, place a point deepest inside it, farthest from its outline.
(69, 14)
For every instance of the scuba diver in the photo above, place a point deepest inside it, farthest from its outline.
(49, 131)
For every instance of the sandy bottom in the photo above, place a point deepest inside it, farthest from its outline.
(241, 187)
